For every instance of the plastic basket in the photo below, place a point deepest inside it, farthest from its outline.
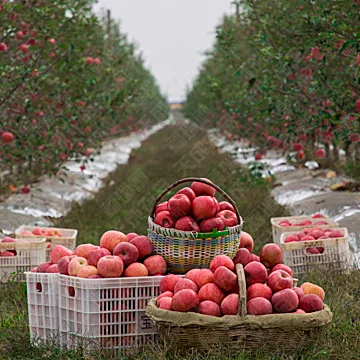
(106, 314)
(42, 295)
(336, 254)
(68, 238)
(186, 250)
(237, 332)
(278, 230)
(29, 253)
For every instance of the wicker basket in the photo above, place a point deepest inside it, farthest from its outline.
(240, 332)
(186, 250)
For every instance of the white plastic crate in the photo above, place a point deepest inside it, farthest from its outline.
(29, 253)
(278, 230)
(106, 314)
(68, 238)
(43, 300)
(336, 254)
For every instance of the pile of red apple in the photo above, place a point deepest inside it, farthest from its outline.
(215, 291)
(307, 222)
(314, 234)
(43, 232)
(118, 255)
(195, 208)
(9, 253)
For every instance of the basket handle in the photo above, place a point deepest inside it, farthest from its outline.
(181, 181)
(242, 310)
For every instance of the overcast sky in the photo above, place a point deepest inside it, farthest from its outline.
(172, 34)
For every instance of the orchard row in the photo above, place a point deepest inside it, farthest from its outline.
(285, 75)
(69, 81)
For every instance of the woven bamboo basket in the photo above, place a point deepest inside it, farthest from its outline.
(186, 250)
(240, 332)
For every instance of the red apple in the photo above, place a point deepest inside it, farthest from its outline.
(307, 238)
(187, 223)
(224, 205)
(87, 271)
(58, 252)
(43, 267)
(255, 258)
(76, 264)
(63, 264)
(168, 283)
(225, 278)
(192, 274)
(316, 233)
(310, 303)
(291, 238)
(128, 252)
(229, 218)
(299, 311)
(202, 189)
(204, 207)
(185, 300)
(259, 306)
(259, 290)
(179, 205)
(185, 284)
(285, 301)
(165, 220)
(299, 292)
(282, 267)
(131, 236)
(209, 308)
(242, 257)
(52, 269)
(208, 225)
(8, 240)
(110, 266)
(96, 254)
(156, 264)
(84, 249)
(144, 245)
(111, 238)
(318, 216)
(136, 270)
(255, 272)
(188, 192)
(211, 292)
(165, 303)
(165, 294)
(230, 305)
(246, 241)
(280, 280)
(271, 255)
(221, 260)
(161, 207)
(203, 277)
(7, 253)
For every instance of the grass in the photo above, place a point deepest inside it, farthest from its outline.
(125, 204)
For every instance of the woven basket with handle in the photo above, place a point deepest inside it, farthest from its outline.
(238, 332)
(186, 250)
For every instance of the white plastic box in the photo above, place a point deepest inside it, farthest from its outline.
(68, 238)
(336, 254)
(29, 253)
(106, 314)
(278, 230)
(43, 300)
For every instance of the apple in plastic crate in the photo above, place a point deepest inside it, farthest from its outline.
(144, 245)
(128, 252)
(111, 238)
(136, 270)
(96, 254)
(76, 264)
(58, 252)
(84, 249)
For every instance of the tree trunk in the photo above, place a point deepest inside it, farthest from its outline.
(357, 152)
(347, 148)
(335, 152)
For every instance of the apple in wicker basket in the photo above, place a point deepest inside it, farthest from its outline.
(179, 205)
(165, 220)
(203, 189)
(187, 223)
(208, 225)
(228, 217)
(188, 192)
(204, 207)
(224, 205)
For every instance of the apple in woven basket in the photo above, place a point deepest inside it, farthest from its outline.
(168, 283)
(230, 305)
(202, 189)
(208, 225)
(259, 306)
(280, 280)
(128, 252)
(246, 241)
(221, 260)
(185, 300)
(271, 255)
(310, 288)
(185, 284)
(255, 272)
(164, 303)
(165, 220)
(179, 205)
(111, 238)
(202, 277)
(285, 301)
(211, 308)
(228, 217)
(204, 207)
(259, 290)
(225, 278)
(299, 292)
(310, 303)
(161, 207)
(211, 292)
(188, 192)
(187, 223)
(224, 205)
(282, 267)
